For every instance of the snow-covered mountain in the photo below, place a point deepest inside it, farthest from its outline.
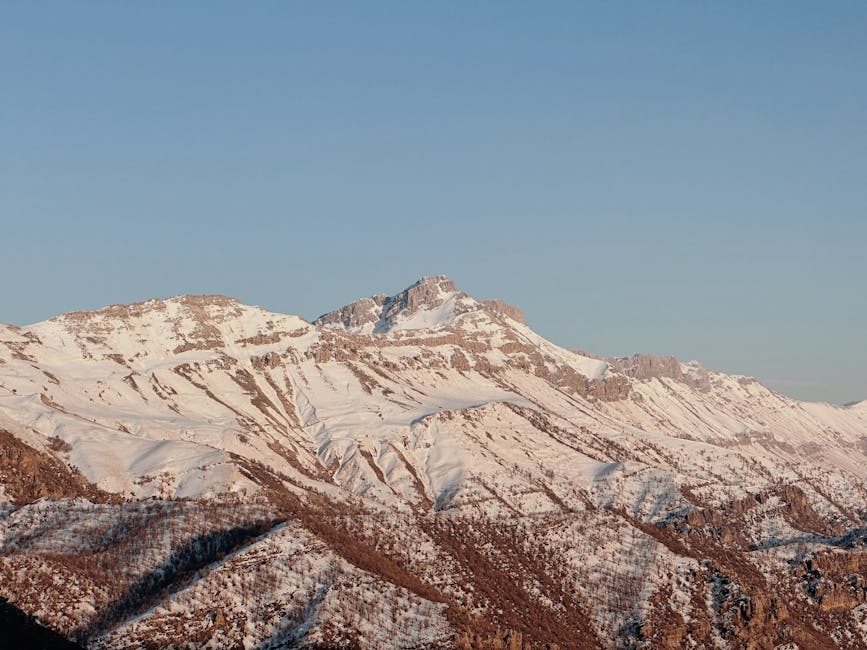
(417, 470)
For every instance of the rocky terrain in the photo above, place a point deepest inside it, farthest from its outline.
(418, 470)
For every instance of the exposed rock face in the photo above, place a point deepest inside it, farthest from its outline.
(501, 307)
(835, 579)
(382, 311)
(28, 475)
(427, 292)
(647, 366)
(355, 315)
(609, 389)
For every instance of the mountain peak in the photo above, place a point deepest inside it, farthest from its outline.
(444, 282)
(427, 292)
(431, 298)
(432, 301)
(157, 326)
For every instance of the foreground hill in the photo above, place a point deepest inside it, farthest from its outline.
(417, 470)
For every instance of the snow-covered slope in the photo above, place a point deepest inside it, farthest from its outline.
(619, 477)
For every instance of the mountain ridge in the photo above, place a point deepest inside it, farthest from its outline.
(427, 451)
(335, 316)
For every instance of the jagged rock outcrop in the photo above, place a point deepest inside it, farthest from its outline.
(647, 366)
(26, 474)
(355, 315)
(500, 307)
(379, 314)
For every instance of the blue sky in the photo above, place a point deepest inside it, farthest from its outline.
(669, 177)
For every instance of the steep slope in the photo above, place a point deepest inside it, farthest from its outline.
(429, 453)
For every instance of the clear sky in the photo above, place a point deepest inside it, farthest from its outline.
(668, 177)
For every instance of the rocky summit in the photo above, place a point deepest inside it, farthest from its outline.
(420, 470)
